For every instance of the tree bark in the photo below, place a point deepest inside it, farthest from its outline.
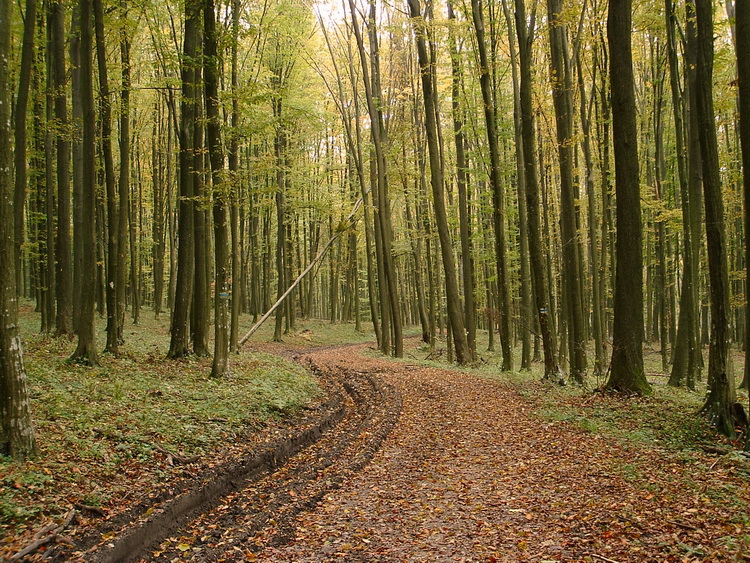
(179, 344)
(541, 287)
(498, 192)
(627, 374)
(426, 65)
(561, 93)
(114, 279)
(742, 45)
(220, 367)
(85, 352)
(64, 271)
(16, 431)
(19, 135)
(721, 387)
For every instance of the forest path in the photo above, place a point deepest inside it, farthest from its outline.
(467, 474)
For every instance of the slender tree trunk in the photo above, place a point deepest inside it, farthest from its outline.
(158, 190)
(64, 272)
(200, 309)
(686, 343)
(86, 350)
(220, 367)
(498, 192)
(526, 316)
(561, 93)
(742, 45)
(721, 387)
(541, 287)
(234, 165)
(114, 259)
(124, 219)
(19, 135)
(455, 315)
(77, 150)
(179, 345)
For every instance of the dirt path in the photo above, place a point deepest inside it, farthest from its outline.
(434, 465)
(468, 475)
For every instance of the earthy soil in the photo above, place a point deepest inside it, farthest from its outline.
(425, 464)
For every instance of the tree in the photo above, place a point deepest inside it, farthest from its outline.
(742, 46)
(179, 344)
(16, 430)
(85, 352)
(64, 273)
(220, 366)
(721, 397)
(19, 134)
(498, 193)
(562, 96)
(426, 66)
(627, 374)
(525, 32)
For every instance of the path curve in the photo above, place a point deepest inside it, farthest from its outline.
(468, 473)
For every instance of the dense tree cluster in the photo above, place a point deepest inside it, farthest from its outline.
(567, 176)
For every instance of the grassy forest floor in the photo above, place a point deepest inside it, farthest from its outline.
(109, 435)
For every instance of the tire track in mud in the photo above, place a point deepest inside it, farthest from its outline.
(253, 504)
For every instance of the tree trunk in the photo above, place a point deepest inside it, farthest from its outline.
(179, 345)
(124, 226)
(19, 135)
(498, 192)
(234, 165)
(114, 261)
(627, 374)
(686, 346)
(742, 34)
(64, 271)
(86, 350)
(561, 93)
(16, 430)
(455, 315)
(721, 387)
(220, 367)
(200, 310)
(541, 287)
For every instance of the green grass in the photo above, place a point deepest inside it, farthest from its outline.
(98, 429)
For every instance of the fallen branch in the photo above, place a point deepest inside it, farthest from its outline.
(683, 526)
(94, 509)
(45, 539)
(180, 459)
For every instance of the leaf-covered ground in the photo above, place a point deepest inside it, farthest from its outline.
(472, 472)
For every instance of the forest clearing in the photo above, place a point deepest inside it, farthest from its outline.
(361, 280)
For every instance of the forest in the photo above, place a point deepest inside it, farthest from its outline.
(532, 186)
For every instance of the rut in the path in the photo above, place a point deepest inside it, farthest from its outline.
(263, 513)
(253, 508)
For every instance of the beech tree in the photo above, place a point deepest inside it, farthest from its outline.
(16, 430)
(627, 374)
